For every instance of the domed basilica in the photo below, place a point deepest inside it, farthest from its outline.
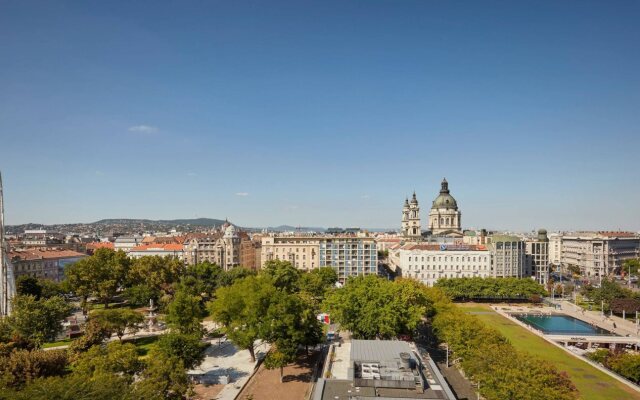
(445, 219)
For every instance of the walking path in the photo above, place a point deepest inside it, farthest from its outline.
(622, 327)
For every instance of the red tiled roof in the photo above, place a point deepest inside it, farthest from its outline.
(99, 245)
(36, 254)
(159, 246)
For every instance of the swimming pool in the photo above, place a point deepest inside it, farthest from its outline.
(559, 324)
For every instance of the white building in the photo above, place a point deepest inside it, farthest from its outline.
(430, 262)
(126, 243)
(158, 249)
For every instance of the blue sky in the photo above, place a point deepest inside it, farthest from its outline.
(321, 113)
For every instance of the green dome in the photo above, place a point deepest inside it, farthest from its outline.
(444, 199)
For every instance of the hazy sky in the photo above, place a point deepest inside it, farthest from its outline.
(321, 113)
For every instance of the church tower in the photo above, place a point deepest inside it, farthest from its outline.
(411, 219)
(405, 218)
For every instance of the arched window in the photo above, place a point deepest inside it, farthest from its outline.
(441, 221)
(447, 220)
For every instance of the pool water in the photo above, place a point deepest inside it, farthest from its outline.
(561, 325)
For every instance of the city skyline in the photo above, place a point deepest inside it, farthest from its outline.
(312, 115)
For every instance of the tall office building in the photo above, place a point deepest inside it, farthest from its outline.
(538, 256)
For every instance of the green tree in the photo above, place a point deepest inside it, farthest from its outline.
(627, 365)
(38, 321)
(28, 285)
(202, 279)
(316, 283)
(72, 387)
(115, 357)
(241, 308)
(631, 266)
(119, 320)
(23, 366)
(95, 332)
(372, 307)
(163, 378)
(187, 348)
(185, 314)
(158, 274)
(289, 323)
(50, 288)
(280, 357)
(140, 295)
(100, 275)
(235, 274)
(283, 275)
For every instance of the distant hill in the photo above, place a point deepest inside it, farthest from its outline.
(194, 221)
(289, 228)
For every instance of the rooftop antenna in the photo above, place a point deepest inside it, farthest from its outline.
(7, 284)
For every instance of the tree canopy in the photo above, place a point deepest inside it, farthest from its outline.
(371, 307)
(490, 288)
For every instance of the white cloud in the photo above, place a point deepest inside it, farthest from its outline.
(191, 174)
(146, 129)
(243, 194)
(366, 196)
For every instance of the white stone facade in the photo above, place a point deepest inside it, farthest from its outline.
(428, 263)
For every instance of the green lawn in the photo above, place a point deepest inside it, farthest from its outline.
(592, 383)
(144, 345)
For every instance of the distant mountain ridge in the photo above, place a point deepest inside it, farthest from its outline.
(193, 221)
(160, 224)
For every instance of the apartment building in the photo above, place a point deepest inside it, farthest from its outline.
(46, 263)
(598, 253)
(348, 255)
(303, 252)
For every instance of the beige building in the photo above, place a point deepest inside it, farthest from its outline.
(348, 255)
(221, 247)
(444, 217)
(598, 253)
(303, 252)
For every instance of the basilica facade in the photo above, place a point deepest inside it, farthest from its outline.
(445, 219)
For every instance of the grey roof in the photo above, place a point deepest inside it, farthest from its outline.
(379, 350)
